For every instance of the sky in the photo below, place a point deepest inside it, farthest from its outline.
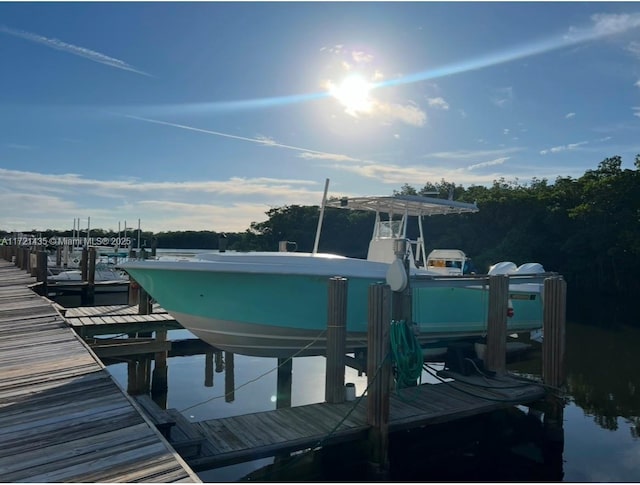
(203, 116)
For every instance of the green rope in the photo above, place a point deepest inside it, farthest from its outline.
(407, 354)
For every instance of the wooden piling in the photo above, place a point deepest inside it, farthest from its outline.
(144, 302)
(84, 264)
(33, 262)
(59, 256)
(554, 322)
(41, 272)
(89, 292)
(134, 290)
(496, 352)
(283, 383)
(336, 340)
(229, 378)
(219, 361)
(378, 375)
(154, 246)
(159, 375)
(208, 369)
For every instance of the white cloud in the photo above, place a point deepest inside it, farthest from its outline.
(438, 102)
(17, 146)
(562, 148)
(327, 156)
(636, 111)
(409, 114)
(569, 115)
(634, 48)
(490, 163)
(232, 204)
(473, 154)
(505, 131)
(266, 140)
(361, 57)
(72, 49)
(609, 24)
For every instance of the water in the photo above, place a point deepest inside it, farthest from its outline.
(601, 420)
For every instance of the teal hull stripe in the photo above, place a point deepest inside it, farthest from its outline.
(300, 301)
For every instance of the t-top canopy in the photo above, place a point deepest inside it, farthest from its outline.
(412, 205)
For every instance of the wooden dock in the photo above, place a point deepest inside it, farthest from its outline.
(248, 437)
(101, 320)
(62, 416)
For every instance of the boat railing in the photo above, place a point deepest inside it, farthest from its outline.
(449, 281)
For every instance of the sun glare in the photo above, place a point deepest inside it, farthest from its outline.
(353, 94)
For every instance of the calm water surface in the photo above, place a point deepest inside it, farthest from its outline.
(601, 419)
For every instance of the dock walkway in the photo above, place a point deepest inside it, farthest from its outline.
(62, 416)
(248, 437)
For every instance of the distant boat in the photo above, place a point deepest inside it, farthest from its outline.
(107, 279)
(275, 303)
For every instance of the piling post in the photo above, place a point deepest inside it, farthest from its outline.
(144, 302)
(33, 262)
(90, 289)
(554, 322)
(229, 378)
(58, 256)
(154, 246)
(222, 243)
(283, 383)
(208, 369)
(134, 290)
(219, 361)
(336, 340)
(65, 255)
(159, 376)
(41, 271)
(378, 376)
(496, 353)
(84, 264)
(18, 261)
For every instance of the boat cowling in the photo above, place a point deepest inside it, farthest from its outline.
(530, 268)
(503, 267)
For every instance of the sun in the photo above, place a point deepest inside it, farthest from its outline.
(353, 94)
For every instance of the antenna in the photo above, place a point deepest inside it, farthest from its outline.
(324, 200)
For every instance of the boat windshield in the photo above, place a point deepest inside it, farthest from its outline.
(390, 229)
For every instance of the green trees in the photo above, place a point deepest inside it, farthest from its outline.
(587, 229)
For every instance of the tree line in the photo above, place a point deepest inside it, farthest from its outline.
(585, 228)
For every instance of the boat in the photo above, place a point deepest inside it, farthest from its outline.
(274, 304)
(107, 279)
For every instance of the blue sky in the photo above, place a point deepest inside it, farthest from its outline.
(205, 115)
